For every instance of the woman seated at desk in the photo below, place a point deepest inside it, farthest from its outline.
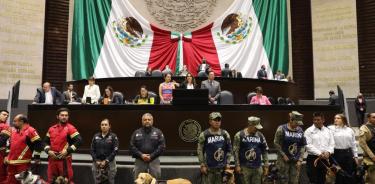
(144, 97)
(189, 82)
(111, 97)
(259, 98)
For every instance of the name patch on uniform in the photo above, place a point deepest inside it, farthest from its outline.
(293, 134)
(215, 139)
(251, 139)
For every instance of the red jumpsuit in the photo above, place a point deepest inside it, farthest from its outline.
(60, 137)
(4, 131)
(20, 154)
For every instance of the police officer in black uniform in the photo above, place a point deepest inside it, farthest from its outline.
(104, 148)
(146, 145)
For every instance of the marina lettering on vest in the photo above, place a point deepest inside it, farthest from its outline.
(293, 134)
(214, 139)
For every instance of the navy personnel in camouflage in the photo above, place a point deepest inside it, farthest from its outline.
(250, 149)
(290, 143)
(367, 143)
(214, 151)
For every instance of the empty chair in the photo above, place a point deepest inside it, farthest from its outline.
(249, 96)
(119, 96)
(225, 98)
(156, 73)
(289, 101)
(281, 101)
(272, 101)
(154, 95)
(140, 74)
(202, 74)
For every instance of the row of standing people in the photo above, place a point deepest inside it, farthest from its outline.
(325, 146)
(25, 144)
(63, 139)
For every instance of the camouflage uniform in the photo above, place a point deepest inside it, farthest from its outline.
(214, 152)
(290, 143)
(247, 148)
(367, 143)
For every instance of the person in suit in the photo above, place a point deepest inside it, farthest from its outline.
(226, 72)
(262, 73)
(70, 95)
(333, 99)
(48, 95)
(213, 87)
(360, 108)
(111, 97)
(189, 82)
(204, 66)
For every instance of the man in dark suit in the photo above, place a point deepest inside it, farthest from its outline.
(70, 95)
(226, 72)
(262, 73)
(333, 99)
(204, 66)
(213, 87)
(48, 95)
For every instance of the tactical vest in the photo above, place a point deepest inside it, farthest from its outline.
(251, 149)
(292, 142)
(215, 148)
(371, 142)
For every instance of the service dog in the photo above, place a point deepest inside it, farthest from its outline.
(228, 176)
(145, 178)
(27, 177)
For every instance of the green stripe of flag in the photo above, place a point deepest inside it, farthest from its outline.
(89, 25)
(273, 21)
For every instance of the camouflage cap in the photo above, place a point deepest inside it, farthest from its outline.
(296, 116)
(254, 121)
(214, 115)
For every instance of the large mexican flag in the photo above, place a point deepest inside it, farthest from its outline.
(111, 39)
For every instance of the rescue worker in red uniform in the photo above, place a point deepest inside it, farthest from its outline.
(24, 140)
(4, 135)
(61, 141)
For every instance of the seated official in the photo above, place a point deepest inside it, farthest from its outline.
(167, 70)
(111, 97)
(71, 96)
(203, 66)
(279, 75)
(259, 98)
(236, 74)
(143, 97)
(226, 72)
(189, 82)
(91, 94)
(213, 87)
(184, 71)
(48, 95)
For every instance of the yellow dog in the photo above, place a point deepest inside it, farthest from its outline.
(145, 178)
